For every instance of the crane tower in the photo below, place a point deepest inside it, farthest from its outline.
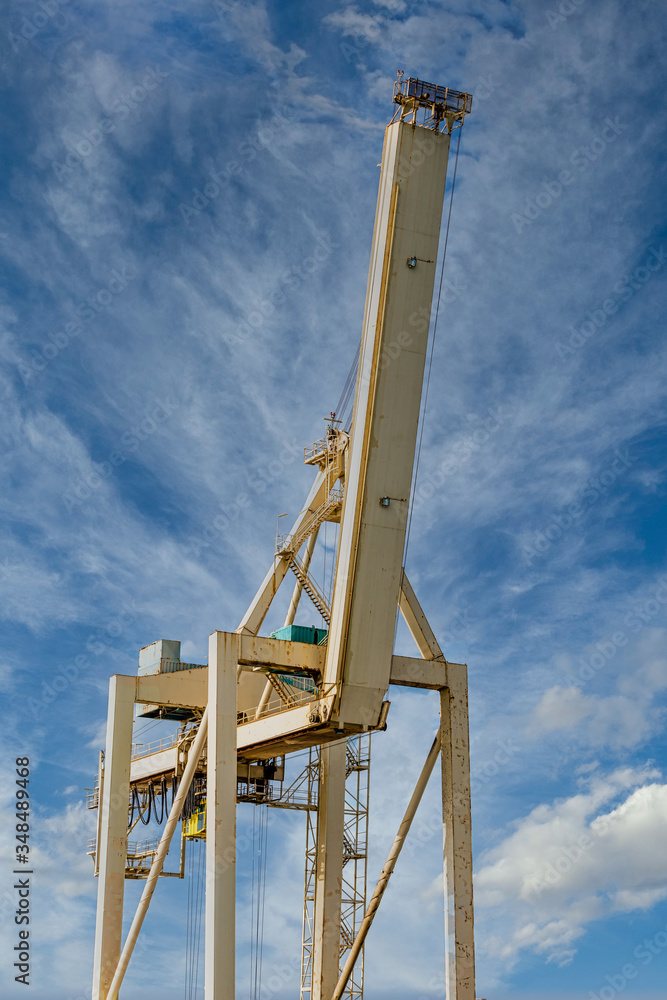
(260, 698)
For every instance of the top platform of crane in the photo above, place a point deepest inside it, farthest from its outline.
(430, 105)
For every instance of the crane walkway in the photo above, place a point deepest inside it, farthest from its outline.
(328, 511)
(311, 588)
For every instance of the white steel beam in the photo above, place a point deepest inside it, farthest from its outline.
(185, 688)
(158, 861)
(386, 417)
(259, 650)
(261, 602)
(410, 671)
(153, 764)
(388, 869)
(459, 919)
(416, 620)
(289, 619)
(220, 912)
(112, 845)
(329, 870)
(281, 733)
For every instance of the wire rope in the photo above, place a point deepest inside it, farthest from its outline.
(258, 884)
(324, 568)
(347, 392)
(195, 908)
(259, 865)
(188, 925)
(264, 861)
(333, 564)
(199, 911)
(252, 910)
(145, 729)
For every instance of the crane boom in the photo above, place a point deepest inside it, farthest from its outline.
(386, 415)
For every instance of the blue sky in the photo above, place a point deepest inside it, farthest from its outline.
(155, 410)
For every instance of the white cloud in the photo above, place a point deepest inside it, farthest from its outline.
(624, 717)
(572, 862)
(252, 27)
(7, 678)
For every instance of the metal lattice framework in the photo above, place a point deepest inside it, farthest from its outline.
(308, 936)
(355, 855)
(355, 863)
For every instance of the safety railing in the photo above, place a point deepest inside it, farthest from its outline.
(145, 749)
(135, 848)
(300, 698)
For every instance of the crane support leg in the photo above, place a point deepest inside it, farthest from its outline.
(329, 870)
(459, 923)
(223, 657)
(158, 860)
(388, 869)
(112, 847)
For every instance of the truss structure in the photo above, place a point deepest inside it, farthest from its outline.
(308, 936)
(355, 856)
(354, 868)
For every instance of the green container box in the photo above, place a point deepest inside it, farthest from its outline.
(301, 633)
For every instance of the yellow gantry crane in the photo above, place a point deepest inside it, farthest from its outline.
(261, 698)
